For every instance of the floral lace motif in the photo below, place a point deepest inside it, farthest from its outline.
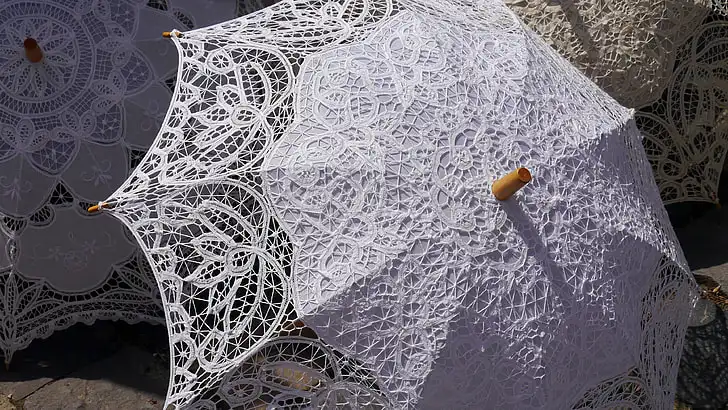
(196, 202)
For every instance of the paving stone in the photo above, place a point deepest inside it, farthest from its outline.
(719, 273)
(61, 354)
(126, 381)
(6, 404)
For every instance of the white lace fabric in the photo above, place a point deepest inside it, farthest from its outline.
(72, 127)
(666, 59)
(333, 161)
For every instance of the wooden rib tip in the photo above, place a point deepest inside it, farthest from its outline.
(96, 208)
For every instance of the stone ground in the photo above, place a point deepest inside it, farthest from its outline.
(109, 365)
(117, 366)
(704, 367)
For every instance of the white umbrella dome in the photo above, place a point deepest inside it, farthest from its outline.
(350, 186)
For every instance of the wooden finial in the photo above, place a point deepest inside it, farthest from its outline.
(98, 207)
(168, 34)
(505, 187)
(32, 50)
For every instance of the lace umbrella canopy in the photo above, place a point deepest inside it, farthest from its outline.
(667, 60)
(72, 126)
(332, 162)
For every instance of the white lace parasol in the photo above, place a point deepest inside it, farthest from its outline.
(333, 162)
(72, 127)
(667, 60)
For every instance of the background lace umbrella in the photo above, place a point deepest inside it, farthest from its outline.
(667, 60)
(72, 127)
(198, 207)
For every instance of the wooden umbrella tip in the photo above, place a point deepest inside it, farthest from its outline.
(509, 184)
(168, 34)
(96, 208)
(524, 175)
(30, 43)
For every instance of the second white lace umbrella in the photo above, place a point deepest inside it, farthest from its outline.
(78, 108)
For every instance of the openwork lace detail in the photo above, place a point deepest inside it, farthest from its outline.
(296, 370)
(75, 93)
(32, 309)
(628, 48)
(352, 191)
(667, 61)
(686, 129)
